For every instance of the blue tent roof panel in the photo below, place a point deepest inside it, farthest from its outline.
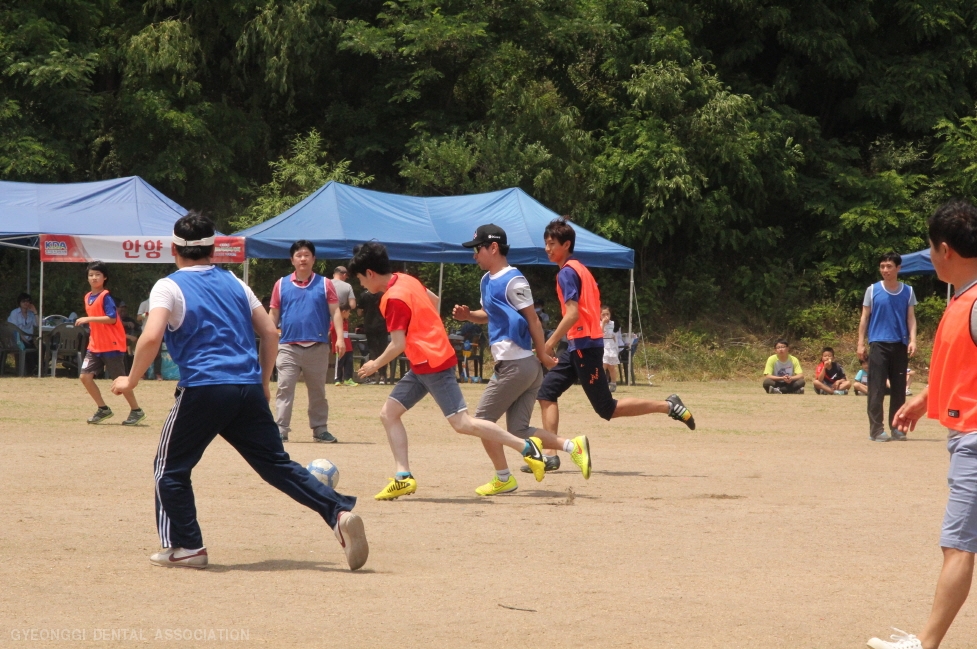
(122, 206)
(917, 263)
(337, 217)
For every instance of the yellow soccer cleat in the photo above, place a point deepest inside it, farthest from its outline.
(535, 458)
(397, 488)
(496, 487)
(581, 455)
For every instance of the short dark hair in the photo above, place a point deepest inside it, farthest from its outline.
(191, 227)
(955, 224)
(101, 267)
(828, 349)
(782, 341)
(371, 255)
(560, 231)
(298, 245)
(892, 256)
(22, 297)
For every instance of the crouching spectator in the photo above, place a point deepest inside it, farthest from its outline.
(860, 385)
(830, 376)
(783, 373)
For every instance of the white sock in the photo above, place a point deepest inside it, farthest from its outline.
(568, 446)
(503, 475)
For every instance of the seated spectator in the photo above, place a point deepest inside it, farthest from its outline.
(860, 385)
(829, 378)
(24, 317)
(783, 373)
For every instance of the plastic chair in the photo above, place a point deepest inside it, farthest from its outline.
(10, 343)
(68, 342)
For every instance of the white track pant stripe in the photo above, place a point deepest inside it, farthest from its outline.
(163, 521)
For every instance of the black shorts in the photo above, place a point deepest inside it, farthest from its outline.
(587, 367)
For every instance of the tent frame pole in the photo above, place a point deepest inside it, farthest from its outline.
(40, 323)
(244, 272)
(440, 286)
(630, 377)
(28, 289)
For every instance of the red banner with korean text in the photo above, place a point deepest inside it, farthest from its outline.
(129, 250)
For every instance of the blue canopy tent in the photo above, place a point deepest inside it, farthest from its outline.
(337, 217)
(122, 206)
(917, 263)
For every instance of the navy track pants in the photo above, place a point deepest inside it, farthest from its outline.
(240, 414)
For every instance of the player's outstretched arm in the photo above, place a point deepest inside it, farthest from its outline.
(569, 319)
(146, 349)
(462, 312)
(398, 342)
(539, 339)
(911, 412)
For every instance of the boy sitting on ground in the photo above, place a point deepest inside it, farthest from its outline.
(860, 384)
(830, 376)
(783, 373)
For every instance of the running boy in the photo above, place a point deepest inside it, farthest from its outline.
(416, 330)
(107, 346)
(951, 397)
(583, 359)
(209, 318)
(507, 307)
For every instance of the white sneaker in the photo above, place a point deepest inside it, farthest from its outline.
(180, 558)
(899, 640)
(352, 536)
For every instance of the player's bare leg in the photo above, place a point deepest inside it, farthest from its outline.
(391, 416)
(636, 407)
(88, 380)
(550, 413)
(951, 593)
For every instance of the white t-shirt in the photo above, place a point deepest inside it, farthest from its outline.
(519, 296)
(167, 294)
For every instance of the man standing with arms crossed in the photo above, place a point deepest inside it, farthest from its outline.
(889, 322)
(303, 304)
(513, 327)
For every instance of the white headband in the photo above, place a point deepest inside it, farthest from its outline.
(206, 241)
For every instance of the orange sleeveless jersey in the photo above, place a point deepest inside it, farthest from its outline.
(104, 337)
(953, 367)
(588, 324)
(427, 341)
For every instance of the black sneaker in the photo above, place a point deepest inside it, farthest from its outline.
(552, 464)
(678, 411)
(101, 415)
(135, 416)
(324, 436)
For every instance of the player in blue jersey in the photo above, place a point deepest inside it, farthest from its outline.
(509, 311)
(209, 319)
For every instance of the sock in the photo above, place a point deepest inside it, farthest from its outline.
(103, 408)
(527, 450)
(503, 475)
(403, 475)
(569, 446)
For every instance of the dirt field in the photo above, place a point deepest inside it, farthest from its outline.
(776, 524)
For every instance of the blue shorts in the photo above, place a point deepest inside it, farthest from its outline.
(442, 385)
(960, 520)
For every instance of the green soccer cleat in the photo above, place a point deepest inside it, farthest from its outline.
(397, 488)
(135, 416)
(581, 455)
(496, 487)
(101, 415)
(678, 411)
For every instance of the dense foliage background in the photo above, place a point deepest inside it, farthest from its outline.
(758, 154)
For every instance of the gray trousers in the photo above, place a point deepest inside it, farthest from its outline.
(512, 392)
(313, 362)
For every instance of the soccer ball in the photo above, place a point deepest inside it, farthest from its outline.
(325, 472)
